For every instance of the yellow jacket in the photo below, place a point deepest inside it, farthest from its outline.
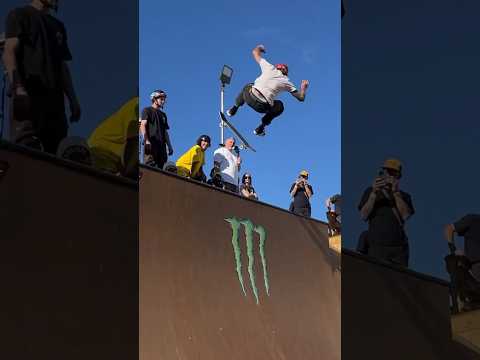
(108, 140)
(190, 163)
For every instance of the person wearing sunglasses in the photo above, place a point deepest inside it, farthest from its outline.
(190, 164)
(386, 208)
(301, 192)
(154, 130)
(246, 189)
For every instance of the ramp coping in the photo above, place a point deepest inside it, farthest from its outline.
(397, 268)
(198, 183)
(85, 169)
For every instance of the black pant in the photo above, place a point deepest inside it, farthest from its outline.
(159, 153)
(306, 211)
(40, 116)
(396, 254)
(270, 112)
(230, 187)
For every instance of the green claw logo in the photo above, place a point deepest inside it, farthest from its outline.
(250, 228)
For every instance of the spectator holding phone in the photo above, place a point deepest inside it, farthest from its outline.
(301, 192)
(386, 208)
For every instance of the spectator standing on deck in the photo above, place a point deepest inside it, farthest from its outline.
(227, 159)
(301, 192)
(190, 164)
(246, 189)
(386, 208)
(468, 227)
(334, 213)
(35, 57)
(154, 130)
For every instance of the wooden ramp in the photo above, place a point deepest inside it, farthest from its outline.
(466, 329)
(68, 259)
(192, 305)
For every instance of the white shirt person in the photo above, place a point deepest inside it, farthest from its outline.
(228, 161)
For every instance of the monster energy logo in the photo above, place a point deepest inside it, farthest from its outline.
(250, 228)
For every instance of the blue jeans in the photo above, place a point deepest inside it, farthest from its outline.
(141, 148)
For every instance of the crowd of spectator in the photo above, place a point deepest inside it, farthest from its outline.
(156, 147)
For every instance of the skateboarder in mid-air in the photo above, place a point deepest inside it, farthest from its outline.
(260, 95)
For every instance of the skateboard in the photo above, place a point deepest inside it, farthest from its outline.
(245, 143)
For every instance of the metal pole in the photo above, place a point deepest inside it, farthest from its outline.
(222, 125)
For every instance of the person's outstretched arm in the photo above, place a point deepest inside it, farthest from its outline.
(257, 53)
(300, 95)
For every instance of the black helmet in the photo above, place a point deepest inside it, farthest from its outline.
(204, 138)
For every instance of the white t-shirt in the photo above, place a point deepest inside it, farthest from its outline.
(272, 82)
(228, 164)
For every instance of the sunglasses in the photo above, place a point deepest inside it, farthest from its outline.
(248, 177)
(392, 172)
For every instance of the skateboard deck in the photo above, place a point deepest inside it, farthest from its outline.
(235, 131)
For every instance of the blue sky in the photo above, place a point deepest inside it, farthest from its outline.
(183, 46)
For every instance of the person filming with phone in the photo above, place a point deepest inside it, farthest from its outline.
(386, 208)
(301, 192)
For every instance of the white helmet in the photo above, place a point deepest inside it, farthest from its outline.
(157, 93)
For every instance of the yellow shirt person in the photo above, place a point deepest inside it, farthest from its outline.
(190, 163)
(109, 139)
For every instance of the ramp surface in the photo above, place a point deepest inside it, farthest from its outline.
(393, 313)
(192, 305)
(68, 260)
(466, 329)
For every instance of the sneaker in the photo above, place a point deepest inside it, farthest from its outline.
(259, 131)
(232, 111)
